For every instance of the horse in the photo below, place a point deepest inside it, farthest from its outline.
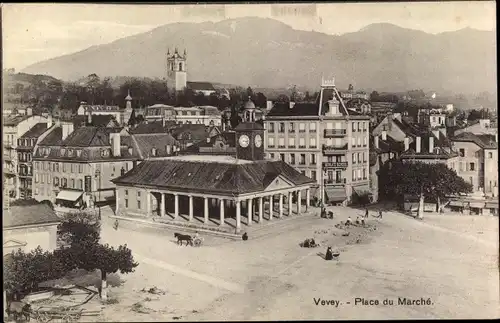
(19, 309)
(183, 237)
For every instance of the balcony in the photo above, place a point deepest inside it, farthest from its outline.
(270, 146)
(302, 146)
(302, 130)
(312, 130)
(335, 150)
(281, 146)
(335, 164)
(331, 133)
(291, 146)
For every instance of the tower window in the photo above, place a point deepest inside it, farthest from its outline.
(180, 67)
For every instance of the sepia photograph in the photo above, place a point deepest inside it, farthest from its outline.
(249, 162)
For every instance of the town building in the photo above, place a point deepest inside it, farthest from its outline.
(190, 134)
(119, 114)
(479, 127)
(98, 120)
(217, 187)
(205, 115)
(69, 163)
(324, 141)
(478, 161)
(204, 88)
(177, 70)
(429, 149)
(27, 225)
(13, 128)
(223, 143)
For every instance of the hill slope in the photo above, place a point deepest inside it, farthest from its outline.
(268, 53)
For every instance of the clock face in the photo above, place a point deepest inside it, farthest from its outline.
(258, 141)
(244, 141)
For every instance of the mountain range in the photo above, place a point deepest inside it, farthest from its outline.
(267, 53)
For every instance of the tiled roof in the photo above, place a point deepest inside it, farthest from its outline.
(36, 131)
(160, 141)
(211, 111)
(200, 86)
(28, 215)
(98, 120)
(413, 130)
(483, 141)
(198, 131)
(281, 109)
(89, 137)
(228, 139)
(110, 108)
(54, 138)
(215, 177)
(386, 146)
(14, 120)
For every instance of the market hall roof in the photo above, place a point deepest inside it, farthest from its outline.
(211, 174)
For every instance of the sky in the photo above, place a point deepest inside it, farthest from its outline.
(36, 32)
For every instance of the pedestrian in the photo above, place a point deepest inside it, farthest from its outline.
(348, 221)
(244, 236)
(329, 254)
(115, 225)
(380, 214)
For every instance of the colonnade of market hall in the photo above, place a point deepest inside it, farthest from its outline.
(252, 206)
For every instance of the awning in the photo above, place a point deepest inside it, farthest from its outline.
(69, 195)
(490, 205)
(456, 203)
(478, 205)
(361, 191)
(335, 194)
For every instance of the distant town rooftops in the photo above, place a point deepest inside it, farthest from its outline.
(89, 137)
(483, 141)
(98, 120)
(100, 108)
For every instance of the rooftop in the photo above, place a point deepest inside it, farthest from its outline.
(200, 86)
(214, 174)
(30, 213)
(14, 120)
(483, 141)
(36, 131)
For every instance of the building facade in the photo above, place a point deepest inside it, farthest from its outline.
(13, 129)
(324, 141)
(205, 115)
(177, 70)
(122, 116)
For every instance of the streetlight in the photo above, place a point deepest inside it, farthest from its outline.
(98, 175)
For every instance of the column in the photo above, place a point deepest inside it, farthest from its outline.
(308, 198)
(261, 215)
(299, 201)
(117, 201)
(250, 211)
(281, 206)
(162, 205)
(222, 220)
(176, 206)
(271, 207)
(238, 216)
(148, 203)
(290, 198)
(190, 208)
(206, 209)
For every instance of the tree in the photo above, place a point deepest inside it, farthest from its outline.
(108, 260)
(307, 97)
(351, 88)
(79, 230)
(249, 92)
(421, 179)
(374, 96)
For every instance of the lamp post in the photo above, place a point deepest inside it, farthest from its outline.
(98, 175)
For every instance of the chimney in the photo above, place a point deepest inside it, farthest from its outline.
(49, 121)
(407, 143)
(376, 141)
(334, 107)
(431, 144)
(384, 135)
(291, 104)
(269, 105)
(115, 143)
(163, 122)
(208, 140)
(67, 129)
(89, 118)
(29, 111)
(168, 150)
(418, 145)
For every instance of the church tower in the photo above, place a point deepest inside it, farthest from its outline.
(176, 70)
(249, 135)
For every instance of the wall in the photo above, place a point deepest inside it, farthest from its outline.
(44, 236)
(491, 171)
(473, 154)
(133, 201)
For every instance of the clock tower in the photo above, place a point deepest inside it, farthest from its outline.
(249, 135)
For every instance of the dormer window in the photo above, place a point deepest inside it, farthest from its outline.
(130, 150)
(153, 152)
(104, 153)
(78, 153)
(63, 151)
(70, 152)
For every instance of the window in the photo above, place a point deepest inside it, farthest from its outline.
(330, 176)
(433, 119)
(353, 127)
(364, 173)
(72, 168)
(281, 127)
(153, 152)
(303, 172)
(359, 157)
(291, 127)
(126, 203)
(70, 152)
(354, 158)
(313, 159)
(359, 173)
(291, 142)
(56, 167)
(80, 184)
(281, 143)
(42, 178)
(270, 142)
(302, 159)
(36, 191)
(72, 183)
(49, 178)
(359, 141)
(271, 127)
(364, 142)
(471, 180)
(138, 193)
(64, 167)
(271, 155)
(462, 152)
(490, 155)
(78, 153)
(45, 166)
(365, 125)
(302, 127)
(359, 126)
(472, 166)
(302, 143)
(80, 168)
(138, 204)
(353, 175)
(126, 192)
(282, 157)
(313, 175)
(292, 158)
(312, 127)
(312, 142)
(36, 178)
(461, 166)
